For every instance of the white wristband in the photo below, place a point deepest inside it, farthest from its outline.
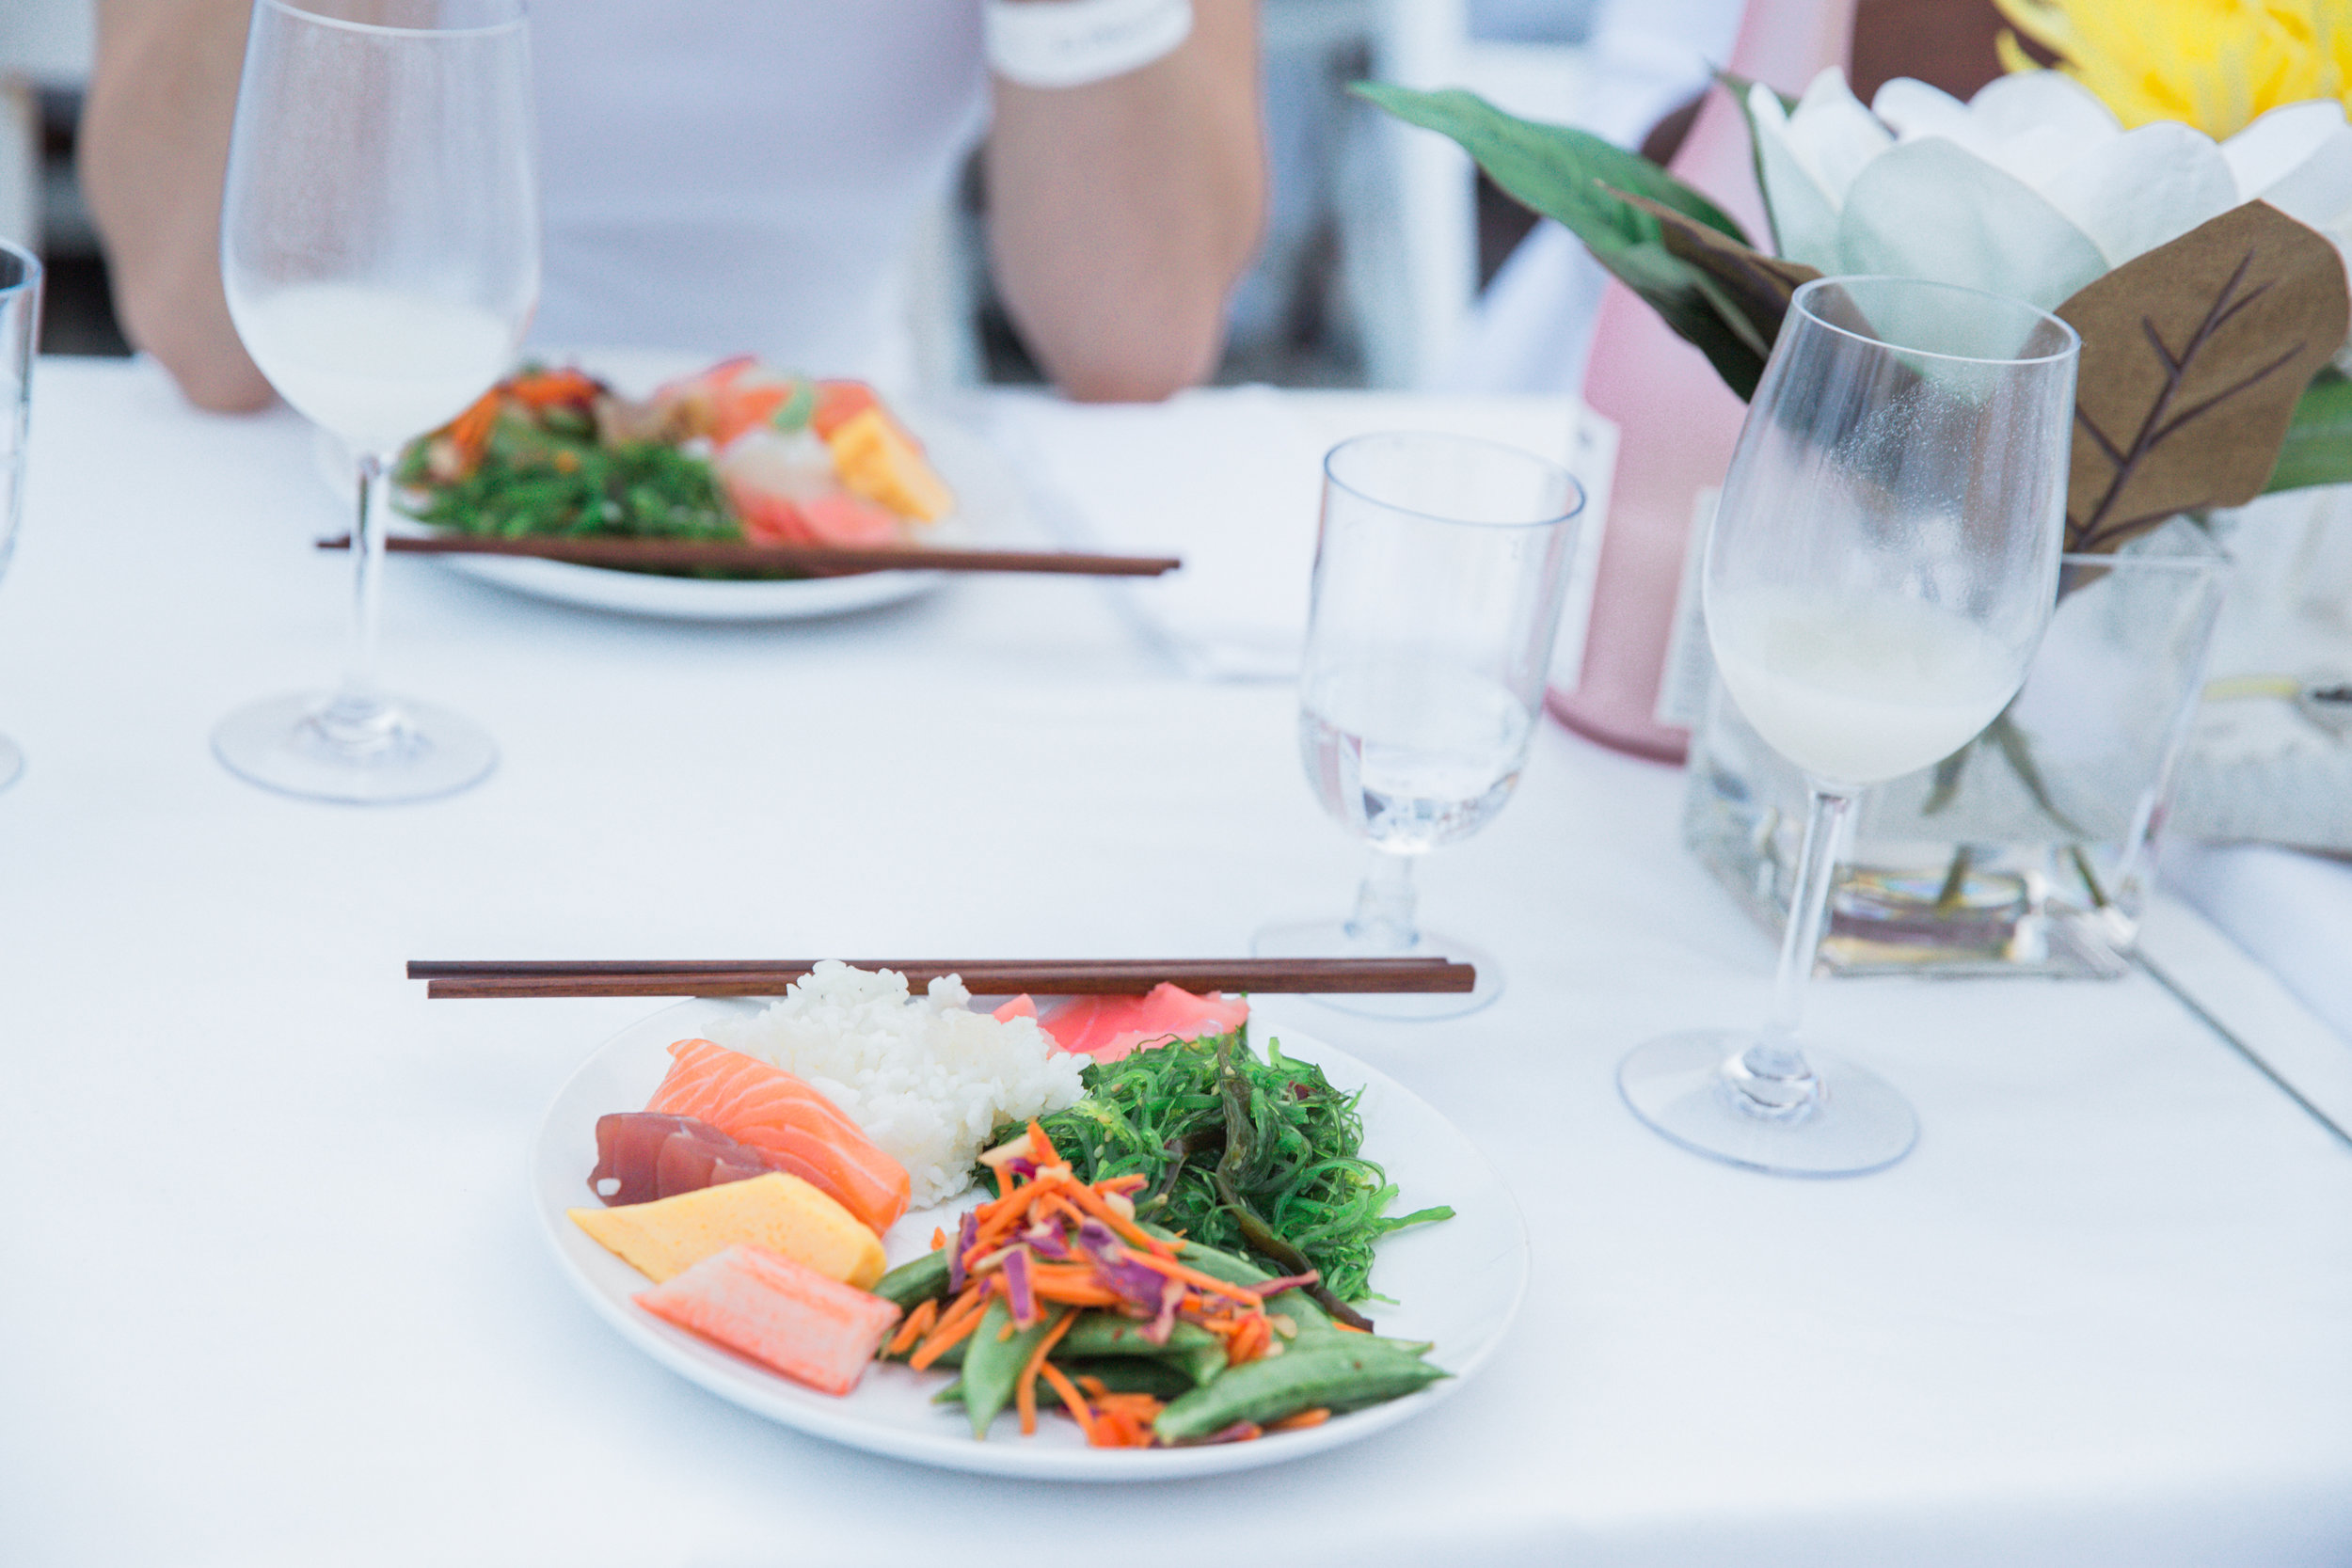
(1067, 44)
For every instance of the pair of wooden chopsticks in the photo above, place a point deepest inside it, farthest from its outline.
(530, 978)
(816, 559)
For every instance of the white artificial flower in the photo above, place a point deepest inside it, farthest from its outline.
(2030, 189)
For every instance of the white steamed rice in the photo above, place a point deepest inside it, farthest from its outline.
(927, 1077)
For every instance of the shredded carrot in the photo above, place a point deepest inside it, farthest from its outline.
(1348, 1328)
(1071, 1399)
(939, 1239)
(1199, 1281)
(550, 388)
(1042, 1149)
(471, 429)
(1299, 1422)
(1248, 1341)
(942, 1341)
(1088, 1199)
(999, 1219)
(1078, 1295)
(918, 1323)
(960, 1319)
(1025, 1385)
(1134, 1181)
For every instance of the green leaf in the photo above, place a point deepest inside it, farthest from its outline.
(2318, 444)
(1749, 290)
(1584, 183)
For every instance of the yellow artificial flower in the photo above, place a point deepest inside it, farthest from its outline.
(2215, 64)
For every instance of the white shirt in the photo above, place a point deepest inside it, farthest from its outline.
(725, 176)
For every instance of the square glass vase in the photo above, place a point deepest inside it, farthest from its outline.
(2031, 849)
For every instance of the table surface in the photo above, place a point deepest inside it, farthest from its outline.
(273, 1289)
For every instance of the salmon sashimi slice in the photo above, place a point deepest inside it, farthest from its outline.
(782, 1314)
(772, 1111)
(1108, 1027)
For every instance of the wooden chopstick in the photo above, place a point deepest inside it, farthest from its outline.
(457, 980)
(817, 561)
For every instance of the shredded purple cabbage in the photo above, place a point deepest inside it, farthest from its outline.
(1045, 1239)
(1022, 1298)
(1171, 1295)
(966, 1234)
(1267, 1290)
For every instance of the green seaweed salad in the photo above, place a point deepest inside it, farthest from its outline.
(549, 470)
(1256, 1157)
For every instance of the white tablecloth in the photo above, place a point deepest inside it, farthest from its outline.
(272, 1292)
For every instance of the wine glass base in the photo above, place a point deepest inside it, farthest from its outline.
(11, 762)
(425, 752)
(1859, 1123)
(1329, 939)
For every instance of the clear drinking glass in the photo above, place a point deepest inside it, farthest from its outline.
(1438, 575)
(20, 326)
(379, 242)
(1881, 566)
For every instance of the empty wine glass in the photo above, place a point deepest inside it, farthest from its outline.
(20, 325)
(1882, 565)
(1439, 570)
(379, 242)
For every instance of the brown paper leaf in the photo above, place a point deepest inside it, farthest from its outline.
(1750, 290)
(2193, 357)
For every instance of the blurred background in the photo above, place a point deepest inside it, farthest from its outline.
(1385, 261)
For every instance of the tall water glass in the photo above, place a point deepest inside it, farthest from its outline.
(1883, 563)
(20, 326)
(1439, 570)
(379, 242)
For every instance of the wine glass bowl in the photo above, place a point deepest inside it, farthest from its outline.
(380, 255)
(1440, 571)
(1882, 564)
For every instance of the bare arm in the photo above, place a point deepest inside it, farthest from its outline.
(154, 143)
(1121, 213)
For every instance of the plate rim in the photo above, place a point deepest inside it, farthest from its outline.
(737, 1381)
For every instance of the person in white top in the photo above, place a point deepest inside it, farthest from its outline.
(730, 174)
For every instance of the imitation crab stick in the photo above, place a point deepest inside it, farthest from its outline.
(763, 1304)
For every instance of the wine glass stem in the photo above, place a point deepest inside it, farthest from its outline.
(358, 720)
(367, 582)
(1384, 906)
(1772, 1070)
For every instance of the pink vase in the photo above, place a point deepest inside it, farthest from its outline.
(1676, 421)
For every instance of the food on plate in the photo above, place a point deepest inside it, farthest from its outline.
(779, 1312)
(1259, 1157)
(925, 1077)
(1141, 1337)
(793, 1126)
(1176, 1226)
(668, 1236)
(643, 1155)
(737, 453)
(1108, 1027)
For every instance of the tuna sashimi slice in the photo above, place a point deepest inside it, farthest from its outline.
(645, 1155)
(766, 1107)
(782, 1314)
(1108, 1027)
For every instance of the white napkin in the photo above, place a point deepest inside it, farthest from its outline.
(1231, 480)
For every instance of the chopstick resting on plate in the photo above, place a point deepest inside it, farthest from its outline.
(459, 980)
(816, 559)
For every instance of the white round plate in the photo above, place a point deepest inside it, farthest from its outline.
(987, 500)
(1457, 1283)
